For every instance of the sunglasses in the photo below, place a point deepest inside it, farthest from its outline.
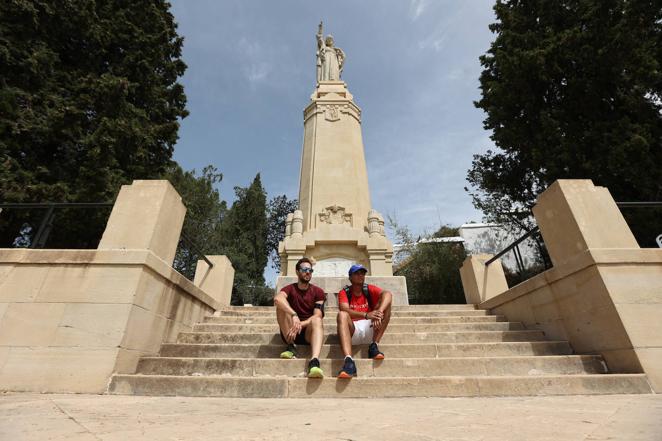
(306, 270)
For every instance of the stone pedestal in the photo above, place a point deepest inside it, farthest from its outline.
(217, 280)
(335, 225)
(147, 215)
(574, 216)
(482, 282)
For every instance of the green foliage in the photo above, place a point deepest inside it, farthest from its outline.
(432, 269)
(244, 240)
(277, 210)
(205, 211)
(89, 100)
(572, 89)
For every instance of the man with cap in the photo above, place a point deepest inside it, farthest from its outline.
(364, 313)
(299, 311)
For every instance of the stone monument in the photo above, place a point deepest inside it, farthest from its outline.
(335, 225)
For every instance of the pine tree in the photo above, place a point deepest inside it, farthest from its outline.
(572, 90)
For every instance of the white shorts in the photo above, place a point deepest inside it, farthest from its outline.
(363, 332)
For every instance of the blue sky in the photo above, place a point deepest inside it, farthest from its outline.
(412, 67)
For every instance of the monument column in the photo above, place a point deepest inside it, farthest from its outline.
(336, 225)
(333, 168)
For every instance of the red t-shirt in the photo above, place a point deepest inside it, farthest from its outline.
(303, 302)
(359, 302)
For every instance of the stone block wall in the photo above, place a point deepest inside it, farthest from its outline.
(604, 293)
(70, 318)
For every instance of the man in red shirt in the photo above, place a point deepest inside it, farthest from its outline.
(299, 310)
(364, 313)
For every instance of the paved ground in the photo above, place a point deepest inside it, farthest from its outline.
(95, 417)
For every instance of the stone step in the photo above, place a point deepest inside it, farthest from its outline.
(396, 328)
(378, 387)
(390, 367)
(330, 320)
(407, 313)
(388, 338)
(504, 349)
(335, 308)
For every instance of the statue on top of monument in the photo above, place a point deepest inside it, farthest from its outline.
(330, 59)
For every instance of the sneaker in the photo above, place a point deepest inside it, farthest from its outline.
(290, 352)
(348, 370)
(374, 353)
(314, 370)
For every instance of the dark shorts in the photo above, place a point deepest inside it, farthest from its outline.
(299, 340)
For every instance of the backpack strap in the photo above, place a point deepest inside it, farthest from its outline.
(366, 293)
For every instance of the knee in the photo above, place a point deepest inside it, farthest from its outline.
(342, 318)
(316, 322)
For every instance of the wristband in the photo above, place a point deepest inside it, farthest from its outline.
(293, 314)
(366, 316)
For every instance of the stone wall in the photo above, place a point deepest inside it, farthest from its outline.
(70, 318)
(604, 293)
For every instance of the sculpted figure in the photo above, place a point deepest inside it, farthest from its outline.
(330, 59)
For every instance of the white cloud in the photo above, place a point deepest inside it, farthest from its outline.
(255, 65)
(417, 7)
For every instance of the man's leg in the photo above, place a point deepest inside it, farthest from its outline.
(284, 323)
(385, 302)
(345, 332)
(314, 334)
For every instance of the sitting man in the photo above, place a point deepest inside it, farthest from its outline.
(364, 313)
(299, 310)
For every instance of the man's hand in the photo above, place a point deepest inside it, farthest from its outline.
(376, 316)
(295, 329)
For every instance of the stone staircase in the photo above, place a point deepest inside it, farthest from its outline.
(431, 350)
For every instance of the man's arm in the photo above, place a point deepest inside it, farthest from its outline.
(316, 313)
(378, 313)
(281, 303)
(280, 300)
(353, 314)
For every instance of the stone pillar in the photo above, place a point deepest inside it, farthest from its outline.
(215, 281)
(481, 283)
(146, 215)
(574, 216)
(373, 224)
(288, 224)
(297, 224)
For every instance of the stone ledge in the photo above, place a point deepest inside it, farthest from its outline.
(591, 257)
(123, 257)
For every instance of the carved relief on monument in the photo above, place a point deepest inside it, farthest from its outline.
(335, 215)
(331, 112)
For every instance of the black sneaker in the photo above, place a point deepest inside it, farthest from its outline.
(290, 352)
(374, 353)
(314, 370)
(348, 370)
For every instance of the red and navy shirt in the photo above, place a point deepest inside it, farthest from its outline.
(359, 302)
